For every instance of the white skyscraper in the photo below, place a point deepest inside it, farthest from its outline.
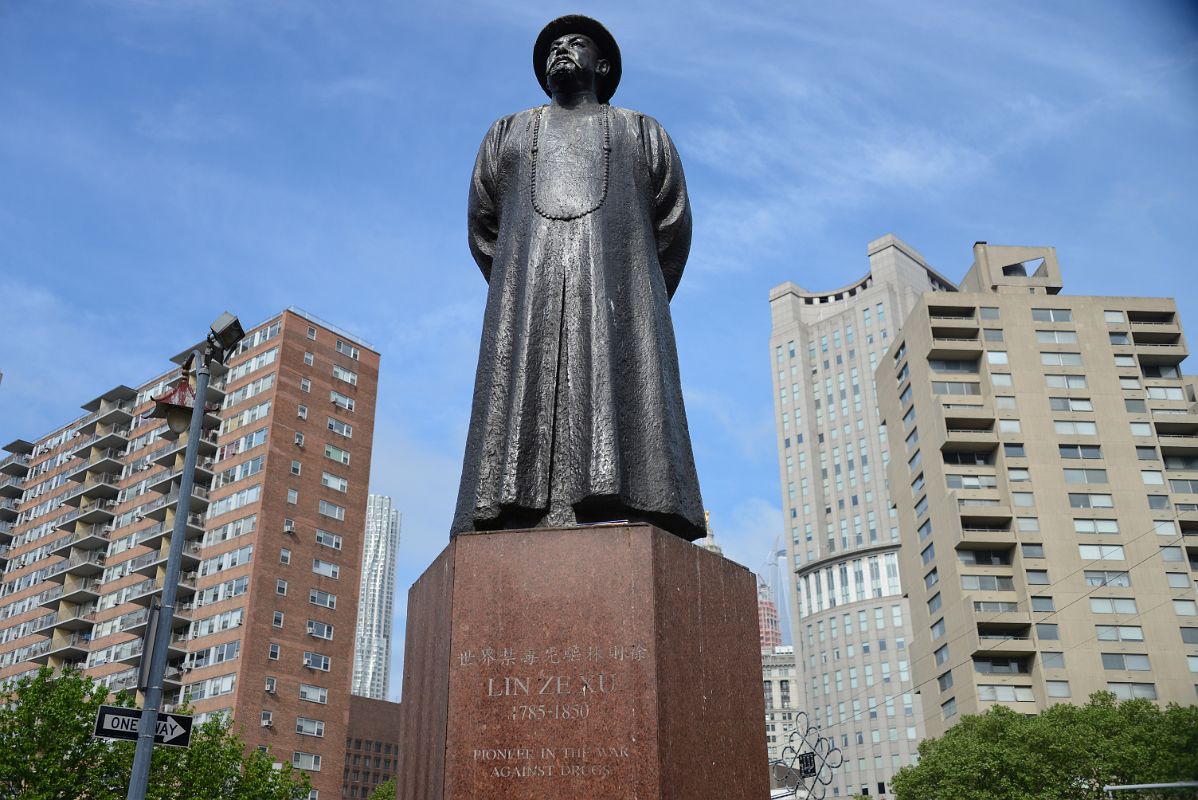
(850, 621)
(376, 599)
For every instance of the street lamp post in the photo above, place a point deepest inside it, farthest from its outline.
(225, 333)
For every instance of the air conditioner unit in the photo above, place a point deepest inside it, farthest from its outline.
(266, 723)
(288, 527)
(270, 686)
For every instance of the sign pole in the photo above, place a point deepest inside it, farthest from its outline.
(140, 777)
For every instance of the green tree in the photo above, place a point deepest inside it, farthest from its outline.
(384, 791)
(47, 752)
(1067, 752)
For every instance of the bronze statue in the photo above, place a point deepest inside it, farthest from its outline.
(579, 221)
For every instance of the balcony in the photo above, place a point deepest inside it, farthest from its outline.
(81, 619)
(107, 412)
(101, 511)
(157, 509)
(81, 564)
(127, 653)
(166, 480)
(106, 437)
(107, 460)
(80, 590)
(85, 537)
(5, 532)
(16, 464)
(1176, 424)
(8, 509)
(50, 597)
(97, 486)
(981, 536)
(174, 450)
(1001, 639)
(67, 646)
(955, 343)
(12, 487)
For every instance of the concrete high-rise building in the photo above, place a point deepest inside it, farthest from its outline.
(850, 622)
(779, 678)
(767, 616)
(267, 601)
(376, 599)
(1045, 471)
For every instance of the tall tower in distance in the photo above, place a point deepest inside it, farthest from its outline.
(376, 599)
(850, 621)
(767, 616)
(1045, 473)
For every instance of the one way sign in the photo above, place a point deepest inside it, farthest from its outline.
(114, 722)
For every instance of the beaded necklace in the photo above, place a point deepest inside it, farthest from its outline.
(536, 136)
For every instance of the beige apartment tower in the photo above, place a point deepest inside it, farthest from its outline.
(1044, 468)
(267, 601)
(850, 622)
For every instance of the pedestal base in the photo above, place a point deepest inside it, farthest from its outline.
(602, 663)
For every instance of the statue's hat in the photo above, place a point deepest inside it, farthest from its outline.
(577, 23)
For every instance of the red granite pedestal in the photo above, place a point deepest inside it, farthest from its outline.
(608, 662)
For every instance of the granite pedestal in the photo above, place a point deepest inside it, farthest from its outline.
(607, 662)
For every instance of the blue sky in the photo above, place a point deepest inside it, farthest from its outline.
(162, 160)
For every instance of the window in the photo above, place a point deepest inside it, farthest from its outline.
(332, 510)
(1114, 317)
(1172, 554)
(1032, 550)
(1189, 635)
(1079, 451)
(1095, 526)
(1119, 633)
(308, 359)
(1135, 405)
(336, 454)
(945, 681)
(1052, 659)
(1152, 477)
(1107, 577)
(317, 661)
(1008, 426)
(992, 583)
(1052, 315)
(956, 388)
(319, 598)
(1004, 401)
(1131, 691)
(296, 467)
(280, 586)
(1101, 552)
(313, 694)
(1057, 688)
(326, 568)
(308, 761)
(334, 482)
(267, 719)
(1060, 359)
(988, 312)
(1085, 476)
(1065, 381)
(305, 385)
(343, 374)
(949, 707)
(1014, 450)
(1129, 383)
(1081, 500)
(320, 630)
(1056, 337)
(343, 428)
(1027, 524)
(1023, 499)
(1003, 692)
(311, 333)
(1042, 604)
(299, 439)
(1125, 361)
(1001, 380)
(277, 620)
(1070, 404)
(1113, 605)
(934, 603)
(327, 539)
(272, 653)
(1125, 661)
(347, 349)
(941, 654)
(1018, 475)
(938, 629)
(341, 400)
(1185, 608)
(996, 357)
(284, 555)
(992, 334)
(1038, 577)
(1047, 631)
(1068, 427)
(292, 496)
(1177, 580)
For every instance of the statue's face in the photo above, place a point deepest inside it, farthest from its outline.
(574, 58)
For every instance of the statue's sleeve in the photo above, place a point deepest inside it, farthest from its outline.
(672, 210)
(482, 217)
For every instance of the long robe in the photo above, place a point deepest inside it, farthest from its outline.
(577, 399)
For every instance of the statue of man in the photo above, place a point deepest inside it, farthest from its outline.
(579, 221)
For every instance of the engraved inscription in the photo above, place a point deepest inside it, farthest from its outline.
(595, 761)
